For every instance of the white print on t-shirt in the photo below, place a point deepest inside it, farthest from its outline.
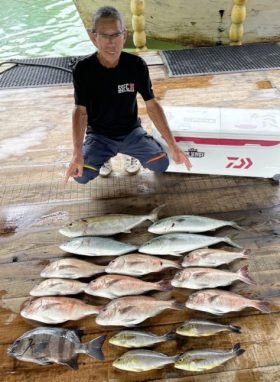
(125, 88)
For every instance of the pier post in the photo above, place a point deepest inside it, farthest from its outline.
(238, 15)
(138, 24)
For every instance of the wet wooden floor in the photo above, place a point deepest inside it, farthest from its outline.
(35, 148)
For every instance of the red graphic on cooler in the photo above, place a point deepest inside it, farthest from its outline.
(237, 162)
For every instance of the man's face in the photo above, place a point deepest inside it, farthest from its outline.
(109, 38)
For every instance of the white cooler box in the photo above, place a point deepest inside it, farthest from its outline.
(241, 142)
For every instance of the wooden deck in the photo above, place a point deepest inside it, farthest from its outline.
(35, 148)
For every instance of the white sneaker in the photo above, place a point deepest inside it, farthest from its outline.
(131, 164)
(106, 169)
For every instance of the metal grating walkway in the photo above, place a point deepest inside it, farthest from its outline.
(38, 72)
(221, 59)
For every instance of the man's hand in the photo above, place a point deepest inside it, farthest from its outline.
(179, 156)
(75, 168)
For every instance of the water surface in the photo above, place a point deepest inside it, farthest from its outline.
(41, 28)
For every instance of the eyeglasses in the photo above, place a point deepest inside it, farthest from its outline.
(106, 36)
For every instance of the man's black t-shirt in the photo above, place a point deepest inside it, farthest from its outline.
(110, 94)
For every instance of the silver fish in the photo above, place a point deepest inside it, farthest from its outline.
(46, 345)
(176, 243)
(143, 360)
(71, 268)
(139, 338)
(209, 257)
(131, 310)
(206, 359)
(137, 264)
(106, 225)
(203, 328)
(199, 278)
(54, 287)
(113, 286)
(55, 310)
(96, 246)
(217, 301)
(189, 223)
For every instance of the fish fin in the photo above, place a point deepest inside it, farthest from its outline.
(213, 298)
(170, 335)
(112, 282)
(235, 328)
(244, 275)
(154, 214)
(93, 348)
(126, 309)
(237, 350)
(231, 242)
(261, 305)
(164, 285)
(199, 274)
(174, 253)
(177, 306)
(126, 231)
(235, 225)
(72, 363)
(179, 263)
(79, 332)
(247, 253)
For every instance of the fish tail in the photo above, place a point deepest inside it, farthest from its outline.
(154, 214)
(176, 305)
(170, 335)
(247, 253)
(237, 350)
(235, 328)
(164, 285)
(261, 305)
(93, 348)
(237, 226)
(244, 275)
(178, 263)
(231, 242)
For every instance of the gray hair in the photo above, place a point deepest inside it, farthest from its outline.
(106, 12)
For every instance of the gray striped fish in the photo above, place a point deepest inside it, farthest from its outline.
(46, 345)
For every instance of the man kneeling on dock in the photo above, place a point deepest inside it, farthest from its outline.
(106, 84)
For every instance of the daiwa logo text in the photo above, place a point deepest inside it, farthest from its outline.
(125, 88)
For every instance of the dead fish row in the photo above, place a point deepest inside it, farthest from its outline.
(189, 223)
(46, 345)
(173, 244)
(191, 328)
(195, 360)
(134, 264)
(108, 286)
(111, 224)
(122, 311)
(200, 278)
(113, 286)
(106, 225)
